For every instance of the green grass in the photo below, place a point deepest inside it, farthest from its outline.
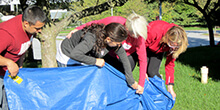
(32, 64)
(191, 93)
(198, 28)
(66, 30)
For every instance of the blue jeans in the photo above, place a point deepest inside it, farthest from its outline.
(61, 64)
(3, 99)
(65, 65)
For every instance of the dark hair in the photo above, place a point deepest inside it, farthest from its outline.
(116, 31)
(98, 30)
(32, 14)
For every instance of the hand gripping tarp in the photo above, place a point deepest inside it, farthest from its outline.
(82, 88)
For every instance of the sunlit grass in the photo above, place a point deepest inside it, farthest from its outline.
(191, 93)
(198, 28)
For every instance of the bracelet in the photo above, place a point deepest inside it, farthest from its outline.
(171, 84)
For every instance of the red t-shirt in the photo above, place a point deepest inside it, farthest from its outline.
(14, 40)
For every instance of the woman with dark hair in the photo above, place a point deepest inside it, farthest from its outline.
(89, 45)
(134, 45)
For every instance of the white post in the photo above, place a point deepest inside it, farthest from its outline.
(112, 11)
(204, 74)
(16, 9)
(12, 7)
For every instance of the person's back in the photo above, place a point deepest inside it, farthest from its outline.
(155, 31)
(105, 21)
(69, 44)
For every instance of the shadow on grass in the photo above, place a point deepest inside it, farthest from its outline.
(32, 64)
(197, 57)
(197, 78)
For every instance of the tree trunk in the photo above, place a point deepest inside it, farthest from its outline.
(23, 4)
(49, 33)
(211, 35)
(48, 50)
(48, 42)
(207, 11)
(210, 28)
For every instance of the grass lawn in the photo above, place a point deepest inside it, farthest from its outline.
(66, 31)
(198, 28)
(191, 93)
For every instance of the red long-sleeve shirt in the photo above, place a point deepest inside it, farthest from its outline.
(156, 30)
(130, 45)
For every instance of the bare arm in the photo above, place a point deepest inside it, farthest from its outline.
(171, 91)
(11, 65)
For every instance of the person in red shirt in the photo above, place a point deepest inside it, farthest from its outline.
(16, 36)
(164, 37)
(134, 45)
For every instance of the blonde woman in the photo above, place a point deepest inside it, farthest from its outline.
(134, 45)
(164, 37)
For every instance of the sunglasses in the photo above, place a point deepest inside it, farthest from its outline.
(173, 45)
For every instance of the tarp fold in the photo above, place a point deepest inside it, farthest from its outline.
(83, 88)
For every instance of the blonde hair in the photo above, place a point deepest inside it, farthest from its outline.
(178, 35)
(137, 25)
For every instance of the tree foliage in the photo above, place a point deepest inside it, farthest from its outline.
(208, 8)
(173, 12)
(185, 14)
(180, 14)
(52, 29)
(124, 11)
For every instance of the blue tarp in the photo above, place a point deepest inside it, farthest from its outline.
(82, 88)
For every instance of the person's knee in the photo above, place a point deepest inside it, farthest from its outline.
(132, 62)
(152, 72)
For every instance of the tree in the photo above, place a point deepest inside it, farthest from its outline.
(177, 13)
(185, 14)
(124, 11)
(208, 8)
(52, 29)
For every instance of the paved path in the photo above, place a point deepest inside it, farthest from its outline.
(195, 38)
